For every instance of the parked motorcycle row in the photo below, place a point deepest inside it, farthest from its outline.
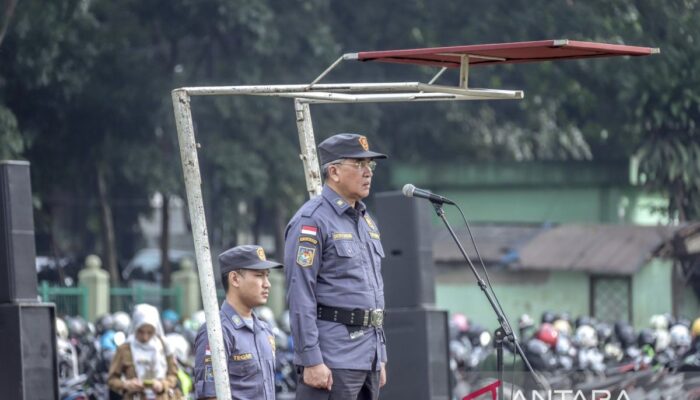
(85, 351)
(583, 357)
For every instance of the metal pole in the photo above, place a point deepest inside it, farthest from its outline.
(193, 183)
(464, 71)
(312, 172)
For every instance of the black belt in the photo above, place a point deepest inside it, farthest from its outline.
(356, 317)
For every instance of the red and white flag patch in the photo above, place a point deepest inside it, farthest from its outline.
(309, 230)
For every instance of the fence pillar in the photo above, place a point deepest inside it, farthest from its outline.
(187, 280)
(96, 281)
(277, 301)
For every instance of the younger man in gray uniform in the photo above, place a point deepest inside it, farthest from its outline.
(335, 290)
(249, 343)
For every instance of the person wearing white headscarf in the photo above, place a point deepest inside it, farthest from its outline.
(143, 368)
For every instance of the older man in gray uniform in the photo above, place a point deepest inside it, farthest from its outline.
(334, 283)
(248, 342)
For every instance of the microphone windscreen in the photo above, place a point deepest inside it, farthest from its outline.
(408, 190)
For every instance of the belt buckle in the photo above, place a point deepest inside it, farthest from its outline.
(377, 318)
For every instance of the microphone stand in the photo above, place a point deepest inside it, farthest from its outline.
(502, 334)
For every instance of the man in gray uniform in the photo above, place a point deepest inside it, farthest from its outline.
(334, 284)
(248, 341)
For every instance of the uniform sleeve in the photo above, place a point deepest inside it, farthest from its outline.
(203, 367)
(302, 259)
(382, 349)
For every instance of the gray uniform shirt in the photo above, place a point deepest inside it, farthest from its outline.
(333, 257)
(250, 358)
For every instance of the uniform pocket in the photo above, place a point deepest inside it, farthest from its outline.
(345, 248)
(378, 248)
(243, 368)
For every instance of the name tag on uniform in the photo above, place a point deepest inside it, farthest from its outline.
(374, 235)
(242, 357)
(342, 236)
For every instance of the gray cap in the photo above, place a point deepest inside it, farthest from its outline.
(345, 145)
(248, 256)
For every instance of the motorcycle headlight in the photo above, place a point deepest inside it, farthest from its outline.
(119, 338)
(484, 339)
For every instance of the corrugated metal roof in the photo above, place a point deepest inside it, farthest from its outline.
(613, 249)
(497, 242)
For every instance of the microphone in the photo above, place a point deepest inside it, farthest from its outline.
(412, 191)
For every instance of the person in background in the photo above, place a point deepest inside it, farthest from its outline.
(142, 368)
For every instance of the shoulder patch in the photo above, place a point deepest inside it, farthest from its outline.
(305, 256)
(308, 240)
(309, 230)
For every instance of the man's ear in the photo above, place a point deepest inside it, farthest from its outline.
(234, 279)
(333, 173)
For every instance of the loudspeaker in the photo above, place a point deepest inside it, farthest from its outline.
(17, 253)
(28, 369)
(408, 267)
(417, 350)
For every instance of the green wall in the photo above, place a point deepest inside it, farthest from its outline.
(651, 291)
(519, 292)
(689, 306)
(557, 291)
(537, 192)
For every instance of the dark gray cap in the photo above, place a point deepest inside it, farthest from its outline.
(345, 145)
(248, 256)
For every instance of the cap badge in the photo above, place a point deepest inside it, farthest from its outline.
(261, 253)
(364, 143)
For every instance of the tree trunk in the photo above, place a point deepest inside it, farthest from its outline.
(108, 236)
(9, 9)
(257, 221)
(280, 226)
(165, 240)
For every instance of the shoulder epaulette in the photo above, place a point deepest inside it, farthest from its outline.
(311, 206)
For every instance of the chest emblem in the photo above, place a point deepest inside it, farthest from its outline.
(305, 256)
(370, 222)
(271, 339)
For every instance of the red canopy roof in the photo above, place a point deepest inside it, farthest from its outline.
(505, 53)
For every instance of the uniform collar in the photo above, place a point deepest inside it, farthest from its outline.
(233, 317)
(338, 203)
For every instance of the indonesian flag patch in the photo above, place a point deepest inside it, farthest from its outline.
(309, 230)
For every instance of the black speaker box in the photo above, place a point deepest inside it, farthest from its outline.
(17, 253)
(408, 267)
(28, 366)
(417, 350)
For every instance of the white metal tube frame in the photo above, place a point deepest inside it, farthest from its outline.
(303, 95)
